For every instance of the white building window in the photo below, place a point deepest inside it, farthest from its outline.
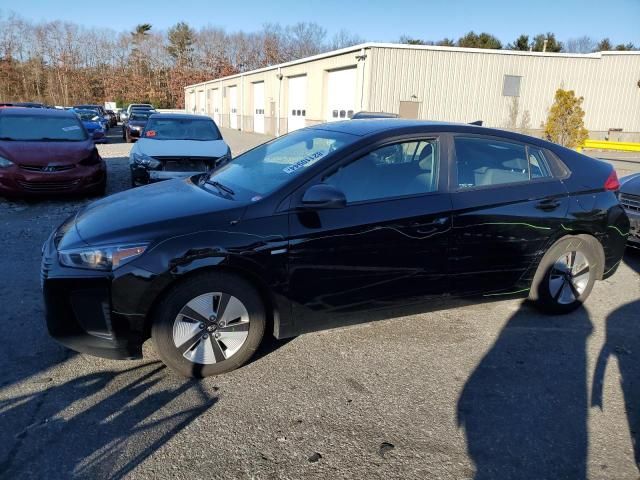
(511, 86)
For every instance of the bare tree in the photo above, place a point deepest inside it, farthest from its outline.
(584, 44)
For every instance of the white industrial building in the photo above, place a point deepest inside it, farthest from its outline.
(504, 88)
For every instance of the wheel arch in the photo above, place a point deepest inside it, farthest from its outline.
(270, 305)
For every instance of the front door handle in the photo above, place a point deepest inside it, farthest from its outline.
(548, 205)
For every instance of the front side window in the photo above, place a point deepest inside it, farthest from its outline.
(408, 168)
(269, 166)
(487, 161)
(40, 128)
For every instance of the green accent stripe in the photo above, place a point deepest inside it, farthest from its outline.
(512, 223)
(566, 228)
(614, 266)
(619, 231)
(506, 293)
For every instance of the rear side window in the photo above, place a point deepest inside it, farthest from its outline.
(486, 161)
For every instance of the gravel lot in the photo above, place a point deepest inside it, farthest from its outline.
(495, 389)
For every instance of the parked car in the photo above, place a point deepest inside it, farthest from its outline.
(176, 146)
(363, 115)
(133, 126)
(328, 225)
(139, 106)
(47, 151)
(91, 121)
(630, 201)
(113, 119)
(101, 111)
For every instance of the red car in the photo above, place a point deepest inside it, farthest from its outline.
(46, 151)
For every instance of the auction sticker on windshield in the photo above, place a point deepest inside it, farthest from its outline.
(305, 162)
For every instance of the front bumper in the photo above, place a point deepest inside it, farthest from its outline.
(80, 179)
(142, 175)
(79, 311)
(634, 229)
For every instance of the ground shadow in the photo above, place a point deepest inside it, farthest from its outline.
(524, 408)
(632, 259)
(100, 425)
(623, 342)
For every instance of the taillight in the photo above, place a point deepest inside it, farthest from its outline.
(612, 184)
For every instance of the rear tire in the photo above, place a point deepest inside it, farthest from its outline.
(566, 275)
(209, 324)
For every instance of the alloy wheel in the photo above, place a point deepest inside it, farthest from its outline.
(569, 277)
(211, 328)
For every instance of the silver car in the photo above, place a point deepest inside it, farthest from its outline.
(177, 146)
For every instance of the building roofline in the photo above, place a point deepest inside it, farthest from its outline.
(401, 46)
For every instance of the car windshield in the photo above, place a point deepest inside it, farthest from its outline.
(40, 128)
(182, 129)
(88, 115)
(271, 165)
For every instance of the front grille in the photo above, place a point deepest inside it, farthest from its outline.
(48, 186)
(47, 169)
(187, 164)
(631, 203)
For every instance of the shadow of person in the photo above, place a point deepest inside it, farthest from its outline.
(524, 408)
(623, 342)
(100, 425)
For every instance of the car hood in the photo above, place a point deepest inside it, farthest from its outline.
(137, 123)
(46, 153)
(181, 148)
(152, 212)
(630, 184)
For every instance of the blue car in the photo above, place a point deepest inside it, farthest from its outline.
(94, 124)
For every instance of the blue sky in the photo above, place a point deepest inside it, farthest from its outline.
(373, 20)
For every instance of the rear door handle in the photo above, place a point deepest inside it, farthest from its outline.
(548, 204)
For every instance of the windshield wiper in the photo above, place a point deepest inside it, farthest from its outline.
(7, 139)
(219, 186)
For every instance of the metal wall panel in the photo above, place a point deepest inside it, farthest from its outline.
(463, 86)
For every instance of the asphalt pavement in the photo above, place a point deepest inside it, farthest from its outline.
(494, 390)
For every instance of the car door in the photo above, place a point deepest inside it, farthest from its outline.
(386, 247)
(507, 205)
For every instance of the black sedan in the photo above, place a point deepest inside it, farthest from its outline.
(134, 125)
(630, 200)
(328, 225)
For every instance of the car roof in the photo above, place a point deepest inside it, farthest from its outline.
(43, 112)
(183, 116)
(372, 126)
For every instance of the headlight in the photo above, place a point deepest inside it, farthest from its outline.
(223, 160)
(101, 258)
(4, 163)
(136, 128)
(145, 160)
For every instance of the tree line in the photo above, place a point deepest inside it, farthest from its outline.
(542, 42)
(62, 63)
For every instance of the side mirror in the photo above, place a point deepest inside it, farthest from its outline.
(322, 196)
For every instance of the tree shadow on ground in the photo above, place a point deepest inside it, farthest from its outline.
(99, 425)
(524, 408)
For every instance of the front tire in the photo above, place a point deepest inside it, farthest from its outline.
(209, 324)
(566, 275)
